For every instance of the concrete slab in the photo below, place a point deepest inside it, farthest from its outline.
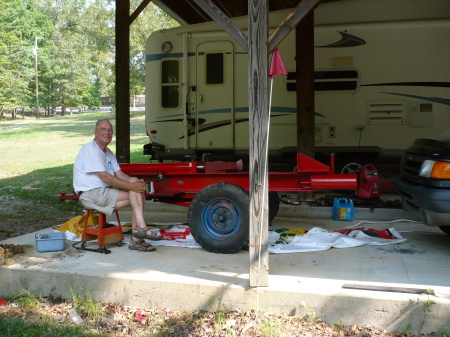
(189, 279)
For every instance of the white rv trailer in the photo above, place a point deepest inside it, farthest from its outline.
(382, 75)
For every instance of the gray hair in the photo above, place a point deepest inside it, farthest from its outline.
(102, 120)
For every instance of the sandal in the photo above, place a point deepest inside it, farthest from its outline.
(141, 246)
(144, 243)
(142, 234)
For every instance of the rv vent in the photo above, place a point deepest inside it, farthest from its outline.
(385, 112)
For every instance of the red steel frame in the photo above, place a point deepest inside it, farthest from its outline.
(177, 183)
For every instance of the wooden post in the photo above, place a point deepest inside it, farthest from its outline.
(123, 81)
(300, 11)
(258, 147)
(223, 21)
(305, 90)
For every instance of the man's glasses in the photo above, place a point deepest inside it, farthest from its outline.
(104, 130)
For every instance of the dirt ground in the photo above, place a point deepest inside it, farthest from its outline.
(19, 217)
(118, 320)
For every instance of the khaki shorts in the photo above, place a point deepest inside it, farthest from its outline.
(103, 199)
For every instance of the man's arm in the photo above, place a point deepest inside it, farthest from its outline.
(122, 181)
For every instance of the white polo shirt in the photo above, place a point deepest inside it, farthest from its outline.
(90, 160)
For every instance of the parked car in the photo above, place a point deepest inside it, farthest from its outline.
(424, 182)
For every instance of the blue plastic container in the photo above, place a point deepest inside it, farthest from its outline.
(50, 242)
(343, 209)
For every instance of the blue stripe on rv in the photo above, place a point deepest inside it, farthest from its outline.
(159, 57)
(430, 99)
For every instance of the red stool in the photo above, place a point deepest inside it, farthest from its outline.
(104, 233)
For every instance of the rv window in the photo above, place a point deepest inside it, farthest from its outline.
(170, 83)
(215, 68)
(329, 80)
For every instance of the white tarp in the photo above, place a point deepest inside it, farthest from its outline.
(316, 239)
(320, 239)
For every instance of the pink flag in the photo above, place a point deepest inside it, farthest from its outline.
(277, 66)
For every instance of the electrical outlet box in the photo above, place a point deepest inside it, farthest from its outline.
(332, 131)
(359, 127)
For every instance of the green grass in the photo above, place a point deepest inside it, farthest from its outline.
(37, 155)
(17, 327)
(270, 328)
(25, 299)
(85, 304)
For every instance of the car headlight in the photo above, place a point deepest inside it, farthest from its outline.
(435, 169)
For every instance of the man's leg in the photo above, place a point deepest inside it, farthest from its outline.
(137, 202)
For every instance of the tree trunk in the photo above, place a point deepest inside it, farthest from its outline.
(53, 107)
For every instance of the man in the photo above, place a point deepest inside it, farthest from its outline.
(101, 185)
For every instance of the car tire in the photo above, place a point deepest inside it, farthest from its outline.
(274, 205)
(445, 229)
(218, 218)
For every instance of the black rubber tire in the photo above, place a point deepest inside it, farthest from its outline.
(218, 218)
(274, 205)
(445, 229)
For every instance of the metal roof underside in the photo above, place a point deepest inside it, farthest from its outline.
(187, 12)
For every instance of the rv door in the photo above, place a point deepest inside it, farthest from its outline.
(215, 103)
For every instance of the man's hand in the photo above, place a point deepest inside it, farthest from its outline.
(139, 186)
(123, 182)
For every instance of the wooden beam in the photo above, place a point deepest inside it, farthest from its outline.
(304, 42)
(258, 147)
(224, 8)
(305, 85)
(122, 81)
(299, 12)
(223, 21)
(405, 290)
(199, 12)
(138, 10)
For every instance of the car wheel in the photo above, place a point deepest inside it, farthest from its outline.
(218, 218)
(274, 205)
(445, 229)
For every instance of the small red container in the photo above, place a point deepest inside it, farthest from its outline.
(174, 233)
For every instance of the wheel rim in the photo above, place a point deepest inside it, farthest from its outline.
(351, 168)
(221, 218)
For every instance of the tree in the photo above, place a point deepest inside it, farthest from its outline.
(75, 47)
(20, 23)
(150, 20)
(68, 75)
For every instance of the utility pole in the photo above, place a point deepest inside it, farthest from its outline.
(35, 51)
